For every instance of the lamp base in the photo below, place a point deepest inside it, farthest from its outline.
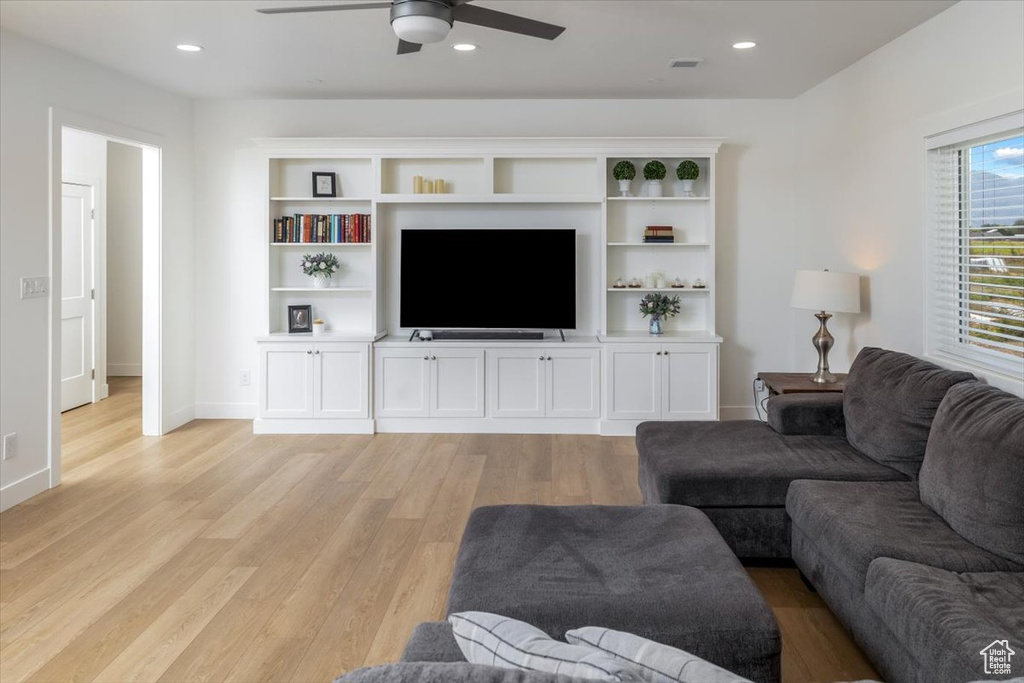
(823, 341)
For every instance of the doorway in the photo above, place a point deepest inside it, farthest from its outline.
(79, 274)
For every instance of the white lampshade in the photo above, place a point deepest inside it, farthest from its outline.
(421, 29)
(823, 290)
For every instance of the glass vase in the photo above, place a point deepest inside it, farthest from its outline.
(655, 324)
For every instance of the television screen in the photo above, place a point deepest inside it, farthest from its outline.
(488, 279)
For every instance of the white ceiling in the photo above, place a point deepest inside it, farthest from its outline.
(611, 48)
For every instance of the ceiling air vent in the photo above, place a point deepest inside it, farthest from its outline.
(685, 63)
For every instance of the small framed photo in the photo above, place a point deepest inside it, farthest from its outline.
(300, 319)
(323, 185)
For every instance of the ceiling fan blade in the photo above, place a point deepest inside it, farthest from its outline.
(489, 18)
(405, 47)
(324, 8)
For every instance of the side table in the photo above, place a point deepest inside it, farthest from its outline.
(798, 383)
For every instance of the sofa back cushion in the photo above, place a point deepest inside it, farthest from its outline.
(889, 404)
(973, 471)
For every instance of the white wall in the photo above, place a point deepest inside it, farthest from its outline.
(34, 78)
(124, 260)
(860, 162)
(755, 207)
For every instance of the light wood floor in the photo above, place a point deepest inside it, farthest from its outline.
(212, 554)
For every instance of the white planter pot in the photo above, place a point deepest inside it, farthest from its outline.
(687, 188)
(322, 282)
(624, 187)
(319, 329)
(652, 188)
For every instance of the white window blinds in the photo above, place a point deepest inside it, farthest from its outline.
(977, 245)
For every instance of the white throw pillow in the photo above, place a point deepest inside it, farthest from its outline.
(495, 640)
(656, 663)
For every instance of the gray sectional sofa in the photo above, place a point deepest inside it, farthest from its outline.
(901, 501)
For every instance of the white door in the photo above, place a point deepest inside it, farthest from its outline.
(573, 384)
(515, 379)
(287, 380)
(457, 383)
(340, 380)
(76, 318)
(633, 373)
(402, 383)
(690, 388)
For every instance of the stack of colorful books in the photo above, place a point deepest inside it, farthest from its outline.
(659, 234)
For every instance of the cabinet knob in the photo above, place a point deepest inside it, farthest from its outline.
(317, 352)
(657, 353)
(542, 357)
(433, 358)
(309, 351)
(549, 357)
(426, 357)
(665, 353)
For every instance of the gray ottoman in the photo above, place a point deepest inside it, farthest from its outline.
(660, 571)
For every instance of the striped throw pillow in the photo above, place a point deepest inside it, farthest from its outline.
(656, 663)
(499, 641)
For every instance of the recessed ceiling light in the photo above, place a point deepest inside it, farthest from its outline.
(745, 45)
(189, 47)
(464, 47)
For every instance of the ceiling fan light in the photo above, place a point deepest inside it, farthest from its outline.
(421, 29)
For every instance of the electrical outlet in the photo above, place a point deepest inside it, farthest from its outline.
(34, 287)
(759, 385)
(10, 445)
(244, 378)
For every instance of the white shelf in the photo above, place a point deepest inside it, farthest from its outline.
(328, 245)
(660, 245)
(658, 199)
(328, 336)
(321, 199)
(322, 290)
(677, 290)
(489, 199)
(643, 336)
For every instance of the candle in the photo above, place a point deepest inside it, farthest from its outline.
(439, 186)
(417, 184)
(428, 186)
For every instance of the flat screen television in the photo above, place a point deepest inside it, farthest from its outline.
(506, 279)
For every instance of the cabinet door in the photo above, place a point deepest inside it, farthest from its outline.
(340, 380)
(690, 387)
(633, 373)
(402, 383)
(286, 380)
(573, 383)
(515, 379)
(457, 383)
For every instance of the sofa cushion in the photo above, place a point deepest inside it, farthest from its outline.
(741, 463)
(855, 522)
(446, 672)
(820, 414)
(973, 471)
(889, 404)
(496, 640)
(945, 617)
(432, 641)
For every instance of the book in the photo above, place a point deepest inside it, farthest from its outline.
(322, 229)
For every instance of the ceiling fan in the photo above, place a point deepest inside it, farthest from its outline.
(417, 22)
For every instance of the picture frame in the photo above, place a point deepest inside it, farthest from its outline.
(300, 319)
(324, 184)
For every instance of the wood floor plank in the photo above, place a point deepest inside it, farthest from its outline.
(333, 548)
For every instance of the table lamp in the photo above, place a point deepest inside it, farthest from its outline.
(822, 290)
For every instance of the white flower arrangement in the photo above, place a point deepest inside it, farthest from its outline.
(320, 265)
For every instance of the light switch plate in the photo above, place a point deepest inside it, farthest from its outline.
(10, 448)
(34, 287)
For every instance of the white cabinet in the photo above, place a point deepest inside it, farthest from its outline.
(544, 383)
(429, 382)
(662, 382)
(307, 380)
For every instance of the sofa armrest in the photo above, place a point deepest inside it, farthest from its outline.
(815, 414)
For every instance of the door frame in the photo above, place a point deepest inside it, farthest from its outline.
(152, 275)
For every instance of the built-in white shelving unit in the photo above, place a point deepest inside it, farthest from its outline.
(501, 183)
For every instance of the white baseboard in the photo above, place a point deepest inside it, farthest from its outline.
(179, 417)
(738, 413)
(124, 369)
(225, 411)
(311, 426)
(22, 490)
(486, 425)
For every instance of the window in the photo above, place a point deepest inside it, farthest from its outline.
(977, 244)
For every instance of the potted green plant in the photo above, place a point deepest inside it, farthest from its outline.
(624, 172)
(321, 267)
(654, 173)
(687, 172)
(659, 306)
